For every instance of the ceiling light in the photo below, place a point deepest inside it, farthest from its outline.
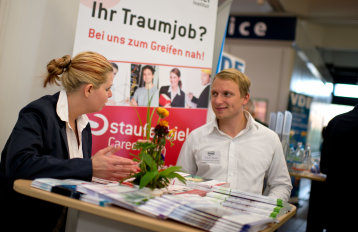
(345, 90)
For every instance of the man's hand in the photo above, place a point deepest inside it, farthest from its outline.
(190, 95)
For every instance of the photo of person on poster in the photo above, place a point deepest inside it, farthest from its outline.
(203, 100)
(111, 101)
(172, 95)
(121, 84)
(149, 91)
(115, 68)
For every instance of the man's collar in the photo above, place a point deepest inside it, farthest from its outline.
(250, 124)
(250, 121)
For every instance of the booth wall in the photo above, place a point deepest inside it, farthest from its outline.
(31, 34)
(269, 66)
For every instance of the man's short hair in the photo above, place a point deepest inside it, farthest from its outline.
(238, 77)
(151, 68)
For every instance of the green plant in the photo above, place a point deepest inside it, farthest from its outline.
(153, 172)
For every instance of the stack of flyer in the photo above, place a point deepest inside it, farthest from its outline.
(48, 183)
(205, 204)
(125, 196)
(203, 213)
(249, 202)
(99, 192)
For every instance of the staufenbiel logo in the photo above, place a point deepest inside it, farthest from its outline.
(95, 125)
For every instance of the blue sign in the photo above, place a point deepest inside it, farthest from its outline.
(299, 105)
(230, 61)
(262, 27)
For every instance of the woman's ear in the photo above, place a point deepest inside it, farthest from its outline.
(88, 88)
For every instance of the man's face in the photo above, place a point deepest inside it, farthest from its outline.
(147, 76)
(226, 100)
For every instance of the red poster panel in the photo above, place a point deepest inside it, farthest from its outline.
(121, 126)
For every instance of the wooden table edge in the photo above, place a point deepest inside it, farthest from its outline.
(310, 176)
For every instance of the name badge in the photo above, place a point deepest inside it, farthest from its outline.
(211, 157)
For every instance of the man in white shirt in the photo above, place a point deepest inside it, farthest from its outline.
(234, 148)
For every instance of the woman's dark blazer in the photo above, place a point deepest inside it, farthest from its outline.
(178, 101)
(37, 147)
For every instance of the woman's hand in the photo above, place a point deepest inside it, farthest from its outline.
(107, 165)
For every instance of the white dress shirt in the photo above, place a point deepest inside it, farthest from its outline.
(173, 93)
(243, 161)
(74, 148)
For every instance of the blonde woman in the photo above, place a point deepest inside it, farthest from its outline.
(52, 138)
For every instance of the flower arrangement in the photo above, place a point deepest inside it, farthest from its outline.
(153, 172)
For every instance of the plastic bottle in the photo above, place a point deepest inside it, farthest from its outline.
(290, 157)
(308, 157)
(300, 153)
(299, 157)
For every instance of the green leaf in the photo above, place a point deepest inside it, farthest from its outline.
(147, 159)
(163, 142)
(169, 170)
(176, 175)
(149, 124)
(134, 155)
(148, 177)
(149, 116)
(150, 120)
(150, 99)
(143, 145)
(140, 121)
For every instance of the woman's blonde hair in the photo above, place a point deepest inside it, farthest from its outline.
(84, 68)
(238, 77)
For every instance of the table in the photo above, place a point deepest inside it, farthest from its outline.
(314, 214)
(128, 219)
(309, 175)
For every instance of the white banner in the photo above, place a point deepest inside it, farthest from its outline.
(159, 32)
(175, 38)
